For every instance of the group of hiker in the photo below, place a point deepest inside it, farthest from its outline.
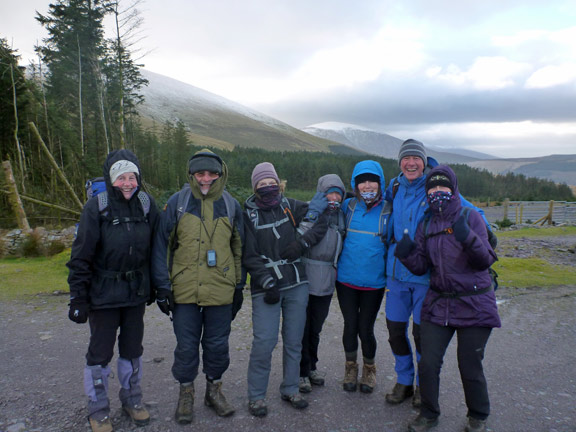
(416, 242)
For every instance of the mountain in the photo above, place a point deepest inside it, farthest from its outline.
(377, 143)
(558, 168)
(216, 121)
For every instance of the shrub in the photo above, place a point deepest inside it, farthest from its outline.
(31, 246)
(504, 223)
(54, 248)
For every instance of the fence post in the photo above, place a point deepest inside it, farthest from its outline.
(550, 212)
(506, 204)
(521, 212)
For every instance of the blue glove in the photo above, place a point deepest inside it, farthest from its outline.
(461, 229)
(317, 206)
(404, 246)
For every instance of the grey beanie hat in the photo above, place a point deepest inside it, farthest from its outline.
(262, 171)
(411, 147)
(205, 161)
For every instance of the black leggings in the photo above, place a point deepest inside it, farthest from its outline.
(104, 325)
(359, 309)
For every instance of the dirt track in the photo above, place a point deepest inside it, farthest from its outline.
(530, 367)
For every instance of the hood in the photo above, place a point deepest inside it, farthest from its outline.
(219, 184)
(368, 167)
(329, 181)
(454, 205)
(113, 157)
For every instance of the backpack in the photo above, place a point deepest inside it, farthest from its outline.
(95, 186)
(492, 239)
(382, 224)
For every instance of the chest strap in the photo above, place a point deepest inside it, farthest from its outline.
(275, 265)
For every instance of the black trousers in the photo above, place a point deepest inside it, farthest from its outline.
(316, 313)
(359, 309)
(104, 325)
(470, 351)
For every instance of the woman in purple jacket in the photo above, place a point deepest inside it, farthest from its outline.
(453, 245)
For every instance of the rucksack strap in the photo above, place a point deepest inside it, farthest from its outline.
(454, 295)
(103, 208)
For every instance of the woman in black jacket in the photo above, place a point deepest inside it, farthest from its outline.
(110, 285)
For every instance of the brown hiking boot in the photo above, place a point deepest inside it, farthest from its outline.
(101, 425)
(399, 394)
(184, 411)
(368, 380)
(350, 376)
(475, 425)
(422, 424)
(139, 415)
(216, 400)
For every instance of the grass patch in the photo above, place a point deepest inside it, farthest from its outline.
(28, 276)
(538, 232)
(532, 272)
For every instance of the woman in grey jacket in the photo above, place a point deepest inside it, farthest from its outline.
(321, 262)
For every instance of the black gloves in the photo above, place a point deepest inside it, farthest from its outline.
(79, 308)
(461, 229)
(237, 301)
(165, 300)
(293, 251)
(272, 295)
(404, 246)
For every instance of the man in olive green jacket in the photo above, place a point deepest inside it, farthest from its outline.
(198, 276)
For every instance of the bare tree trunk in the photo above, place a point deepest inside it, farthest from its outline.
(55, 166)
(80, 98)
(21, 159)
(121, 117)
(14, 197)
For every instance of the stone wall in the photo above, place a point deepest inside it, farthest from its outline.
(11, 241)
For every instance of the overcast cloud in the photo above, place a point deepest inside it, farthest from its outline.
(493, 76)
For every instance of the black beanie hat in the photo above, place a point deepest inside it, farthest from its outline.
(205, 161)
(361, 178)
(439, 180)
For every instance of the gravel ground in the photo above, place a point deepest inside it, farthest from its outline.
(529, 366)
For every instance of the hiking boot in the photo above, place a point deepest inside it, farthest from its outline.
(216, 400)
(102, 424)
(139, 415)
(368, 380)
(258, 408)
(184, 413)
(316, 378)
(350, 376)
(304, 385)
(421, 424)
(475, 425)
(416, 399)
(399, 394)
(296, 400)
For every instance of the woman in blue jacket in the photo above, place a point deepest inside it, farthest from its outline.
(453, 245)
(361, 271)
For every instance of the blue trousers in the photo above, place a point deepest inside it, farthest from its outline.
(209, 325)
(404, 300)
(265, 325)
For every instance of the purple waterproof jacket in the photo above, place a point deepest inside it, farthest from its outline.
(455, 267)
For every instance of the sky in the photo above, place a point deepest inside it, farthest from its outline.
(493, 76)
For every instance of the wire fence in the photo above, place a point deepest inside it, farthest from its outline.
(541, 212)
